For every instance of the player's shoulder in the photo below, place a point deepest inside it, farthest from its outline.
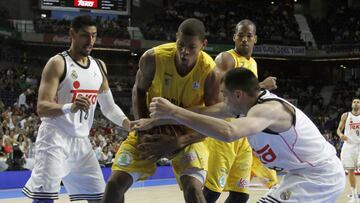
(266, 108)
(344, 115)
(225, 61)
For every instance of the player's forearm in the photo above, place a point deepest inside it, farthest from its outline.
(339, 133)
(209, 126)
(49, 109)
(218, 110)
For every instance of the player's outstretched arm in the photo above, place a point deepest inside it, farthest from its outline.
(259, 118)
(107, 104)
(50, 79)
(143, 81)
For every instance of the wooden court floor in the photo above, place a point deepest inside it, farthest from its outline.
(169, 194)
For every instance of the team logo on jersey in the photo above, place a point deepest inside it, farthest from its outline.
(354, 126)
(196, 85)
(222, 181)
(74, 75)
(124, 159)
(285, 195)
(242, 183)
(91, 94)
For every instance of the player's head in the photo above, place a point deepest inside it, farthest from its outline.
(83, 34)
(190, 40)
(245, 37)
(355, 105)
(239, 87)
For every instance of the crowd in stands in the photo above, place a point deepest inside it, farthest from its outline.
(341, 25)
(109, 27)
(276, 23)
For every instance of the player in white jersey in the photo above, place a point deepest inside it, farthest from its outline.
(281, 135)
(71, 85)
(350, 156)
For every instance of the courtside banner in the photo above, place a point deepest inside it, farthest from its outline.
(278, 50)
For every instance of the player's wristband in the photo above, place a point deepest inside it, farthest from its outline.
(66, 108)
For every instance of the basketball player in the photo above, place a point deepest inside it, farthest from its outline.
(350, 121)
(71, 85)
(281, 135)
(230, 165)
(184, 74)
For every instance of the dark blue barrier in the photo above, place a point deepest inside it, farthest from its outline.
(17, 179)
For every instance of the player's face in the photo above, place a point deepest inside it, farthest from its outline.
(188, 49)
(245, 39)
(84, 39)
(231, 100)
(355, 104)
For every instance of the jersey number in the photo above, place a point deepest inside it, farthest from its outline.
(266, 154)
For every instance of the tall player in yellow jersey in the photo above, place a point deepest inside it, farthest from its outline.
(230, 164)
(184, 74)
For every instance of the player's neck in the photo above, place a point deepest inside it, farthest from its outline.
(247, 56)
(81, 59)
(183, 69)
(355, 112)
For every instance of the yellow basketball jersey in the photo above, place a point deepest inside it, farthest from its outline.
(184, 91)
(241, 61)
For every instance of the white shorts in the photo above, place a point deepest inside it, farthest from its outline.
(60, 157)
(323, 183)
(350, 156)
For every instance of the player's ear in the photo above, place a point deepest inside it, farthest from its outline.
(255, 39)
(205, 43)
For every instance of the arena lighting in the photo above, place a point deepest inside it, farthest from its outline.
(272, 2)
(295, 1)
(111, 49)
(337, 59)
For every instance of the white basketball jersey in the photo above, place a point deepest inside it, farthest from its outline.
(78, 80)
(352, 128)
(299, 147)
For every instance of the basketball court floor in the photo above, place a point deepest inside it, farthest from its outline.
(165, 191)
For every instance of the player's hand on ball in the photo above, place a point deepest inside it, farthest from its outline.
(143, 124)
(81, 103)
(156, 146)
(161, 108)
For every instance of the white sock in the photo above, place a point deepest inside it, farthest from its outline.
(353, 191)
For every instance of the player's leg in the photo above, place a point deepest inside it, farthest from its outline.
(221, 157)
(267, 176)
(320, 184)
(192, 189)
(50, 166)
(127, 168)
(211, 196)
(349, 157)
(190, 168)
(239, 176)
(85, 180)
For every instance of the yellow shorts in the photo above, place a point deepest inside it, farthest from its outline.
(127, 159)
(229, 165)
(267, 176)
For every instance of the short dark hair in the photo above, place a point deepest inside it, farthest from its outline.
(82, 21)
(245, 22)
(241, 79)
(192, 27)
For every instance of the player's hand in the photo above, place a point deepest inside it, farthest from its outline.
(161, 108)
(344, 138)
(269, 83)
(143, 124)
(81, 103)
(157, 146)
